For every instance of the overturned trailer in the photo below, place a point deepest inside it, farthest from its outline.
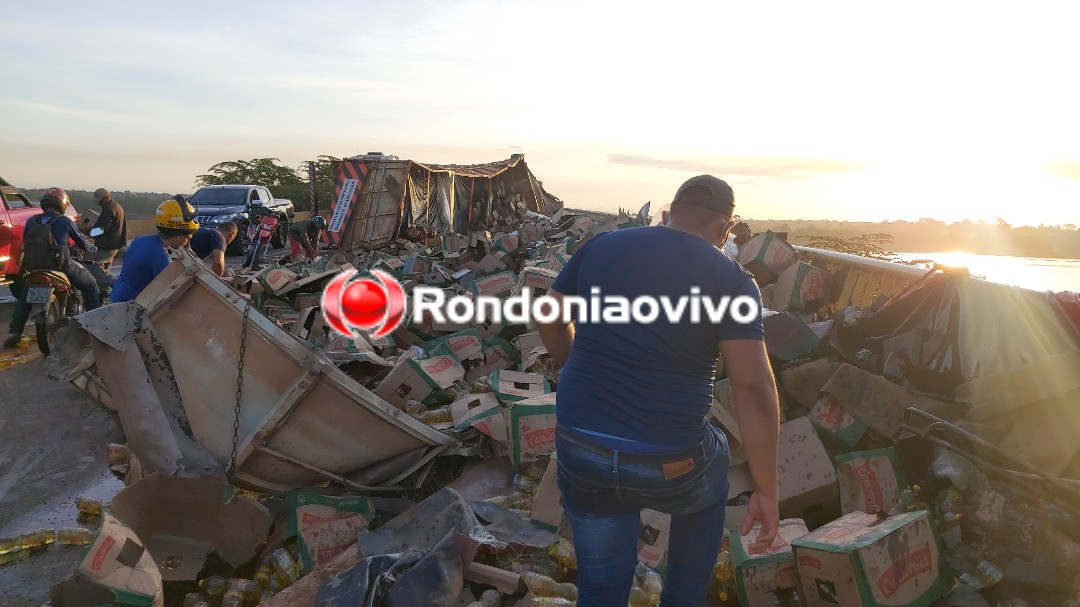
(204, 383)
(380, 198)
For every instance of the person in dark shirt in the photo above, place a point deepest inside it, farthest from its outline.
(110, 235)
(304, 236)
(146, 256)
(209, 244)
(633, 397)
(54, 203)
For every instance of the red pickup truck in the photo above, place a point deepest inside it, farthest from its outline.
(15, 209)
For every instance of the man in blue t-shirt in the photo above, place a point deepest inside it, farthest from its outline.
(146, 256)
(633, 396)
(209, 244)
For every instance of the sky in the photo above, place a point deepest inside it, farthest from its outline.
(858, 111)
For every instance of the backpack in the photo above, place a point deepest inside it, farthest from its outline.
(40, 251)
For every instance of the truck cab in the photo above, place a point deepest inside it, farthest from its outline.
(15, 209)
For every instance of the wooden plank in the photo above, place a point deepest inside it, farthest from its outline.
(860, 286)
(870, 289)
(849, 286)
(505, 582)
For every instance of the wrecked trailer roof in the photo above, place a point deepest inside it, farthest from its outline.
(302, 420)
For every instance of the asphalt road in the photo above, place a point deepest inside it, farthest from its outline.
(52, 451)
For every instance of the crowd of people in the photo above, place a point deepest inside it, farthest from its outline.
(51, 241)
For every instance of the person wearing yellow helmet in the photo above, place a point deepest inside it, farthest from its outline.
(146, 256)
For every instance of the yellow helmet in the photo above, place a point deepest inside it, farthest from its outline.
(176, 215)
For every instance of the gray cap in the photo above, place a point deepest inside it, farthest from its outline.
(707, 191)
(101, 194)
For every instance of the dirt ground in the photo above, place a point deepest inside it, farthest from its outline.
(52, 450)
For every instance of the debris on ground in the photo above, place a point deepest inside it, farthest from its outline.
(273, 461)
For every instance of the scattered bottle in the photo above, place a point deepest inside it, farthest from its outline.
(651, 582)
(988, 574)
(249, 588)
(37, 538)
(787, 597)
(193, 599)
(263, 574)
(563, 553)
(949, 505)
(15, 556)
(89, 506)
(970, 580)
(117, 455)
(75, 536)
(233, 598)
(502, 501)
(542, 585)
(10, 544)
(266, 595)
(415, 407)
(523, 484)
(214, 585)
(489, 598)
(1013, 603)
(436, 416)
(911, 499)
(530, 600)
(285, 567)
(639, 598)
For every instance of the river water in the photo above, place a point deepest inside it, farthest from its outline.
(1035, 273)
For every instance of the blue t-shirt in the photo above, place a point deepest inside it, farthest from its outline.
(649, 383)
(144, 260)
(206, 241)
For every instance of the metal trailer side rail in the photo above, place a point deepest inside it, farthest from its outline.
(303, 420)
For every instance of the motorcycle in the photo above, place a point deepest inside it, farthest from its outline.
(263, 230)
(52, 301)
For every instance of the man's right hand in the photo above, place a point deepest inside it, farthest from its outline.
(762, 509)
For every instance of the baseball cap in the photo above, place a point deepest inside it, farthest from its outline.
(708, 192)
(101, 194)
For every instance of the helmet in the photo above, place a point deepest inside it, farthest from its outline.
(319, 221)
(176, 215)
(56, 199)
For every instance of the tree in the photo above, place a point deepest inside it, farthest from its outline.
(325, 178)
(864, 245)
(282, 180)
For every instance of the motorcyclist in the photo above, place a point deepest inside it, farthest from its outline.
(305, 232)
(146, 256)
(54, 203)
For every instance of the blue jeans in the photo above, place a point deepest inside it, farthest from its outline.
(603, 496)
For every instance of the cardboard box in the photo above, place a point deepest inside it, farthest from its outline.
(547, 511)
(766, 256)
(452, 243)
(722, 413)
(654, 538)
(480, 411)
(909, 343)
(530, 425)
(275, 279)
(184, 519)
(421, 380)
(527, 342)
(120, 567)
(832, 421)
(538, 279)
(870, 398)
(803, 382)
(513, 386)
(499, 284)
(787, 337)
(870, 481)
(800, 288)
(464, 345)
(759, 576)
(862, 561)
(499, 354)
(87, 219)
(806, 475)
(491, 264)
(326, 525)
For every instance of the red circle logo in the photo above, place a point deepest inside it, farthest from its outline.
(369, 304)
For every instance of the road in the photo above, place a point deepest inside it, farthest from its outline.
(52, 450)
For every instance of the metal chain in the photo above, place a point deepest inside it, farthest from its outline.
(239, 387)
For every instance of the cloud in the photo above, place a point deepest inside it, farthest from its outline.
(741, 166)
